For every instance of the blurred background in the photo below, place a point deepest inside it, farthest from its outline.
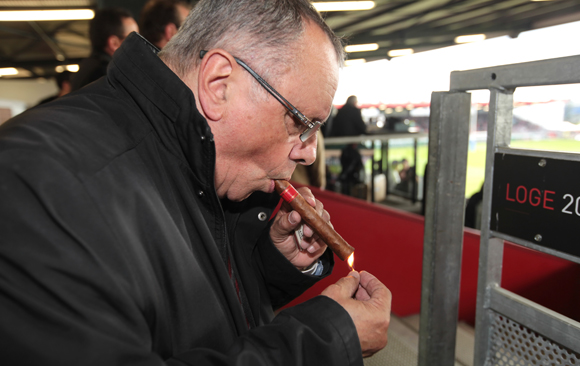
(399, 52)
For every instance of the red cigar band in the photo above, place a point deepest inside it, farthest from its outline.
(289, 194)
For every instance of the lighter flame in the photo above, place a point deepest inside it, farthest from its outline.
(351, 261)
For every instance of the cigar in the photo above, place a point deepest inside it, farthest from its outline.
(334, 241)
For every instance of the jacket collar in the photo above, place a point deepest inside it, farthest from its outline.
(168, 104)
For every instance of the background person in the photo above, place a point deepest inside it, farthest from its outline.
(404, 170)
(473, 210)
(107, 30)
(352, 170)
(64, 87)
(408, 177)
(160, 20)
(393, 177)
(134, 220)
(348, 120)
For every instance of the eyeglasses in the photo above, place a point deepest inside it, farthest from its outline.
(311, 126)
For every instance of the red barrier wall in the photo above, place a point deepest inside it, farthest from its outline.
(389, 244)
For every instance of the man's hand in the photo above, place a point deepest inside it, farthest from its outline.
(305, 253)
(368, 302)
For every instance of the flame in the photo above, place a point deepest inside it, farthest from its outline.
(350, 261)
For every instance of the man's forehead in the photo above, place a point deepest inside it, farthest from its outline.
(319, 82)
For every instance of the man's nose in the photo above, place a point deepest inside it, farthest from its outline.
(305, 152)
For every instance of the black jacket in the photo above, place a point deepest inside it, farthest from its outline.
(115, 249)
(348, 122)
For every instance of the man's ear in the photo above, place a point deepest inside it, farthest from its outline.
(113, 42)
(170, 30)
(214, 78)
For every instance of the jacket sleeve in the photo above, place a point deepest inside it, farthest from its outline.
(283, 281)
(316, 332)
(62, 305)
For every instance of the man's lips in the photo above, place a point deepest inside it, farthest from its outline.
(272, 184)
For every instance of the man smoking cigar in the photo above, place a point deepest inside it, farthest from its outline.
(135, 215)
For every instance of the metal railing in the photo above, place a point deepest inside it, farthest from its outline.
(509, 328)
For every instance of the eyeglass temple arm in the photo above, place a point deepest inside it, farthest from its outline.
(270, 89)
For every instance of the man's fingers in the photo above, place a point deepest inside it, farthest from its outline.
(308, 196)
(291, 222)
(372, 285)
(370, 310)
(319, 206)
(362, 294)
(284, 226)
(344, 287)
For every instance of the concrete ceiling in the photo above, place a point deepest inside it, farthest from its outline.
(37, 48)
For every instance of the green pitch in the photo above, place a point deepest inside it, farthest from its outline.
(476, 157)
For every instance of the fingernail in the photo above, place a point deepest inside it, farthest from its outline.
(311, 249)
(291, 218)
(354, 274)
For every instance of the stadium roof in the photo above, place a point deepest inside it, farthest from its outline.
(37, 47)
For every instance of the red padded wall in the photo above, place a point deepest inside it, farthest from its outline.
(389, 244)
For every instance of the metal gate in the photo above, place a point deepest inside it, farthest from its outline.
(540, 210)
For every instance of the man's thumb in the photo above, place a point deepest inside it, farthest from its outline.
(344, 287)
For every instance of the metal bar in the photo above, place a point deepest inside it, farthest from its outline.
(18, 32)
(414, 182)
(388, 166)
(362, 138)
(46, 63)
(58, 52)
(569, 156)
(443, 239)
(499, 128)
(13, 62)
(373, 171)
(8, 62)
(565, 70)
(548, 323)
(491, 298)
(539, 248)
(381, 161)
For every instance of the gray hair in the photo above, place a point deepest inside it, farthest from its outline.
(260, 32)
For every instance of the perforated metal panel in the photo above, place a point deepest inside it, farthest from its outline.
(512, 344)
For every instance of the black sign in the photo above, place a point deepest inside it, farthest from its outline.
(537, 200)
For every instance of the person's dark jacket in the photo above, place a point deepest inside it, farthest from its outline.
(90, 69)
(347, 122)
(114, 249)
(352, 168)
